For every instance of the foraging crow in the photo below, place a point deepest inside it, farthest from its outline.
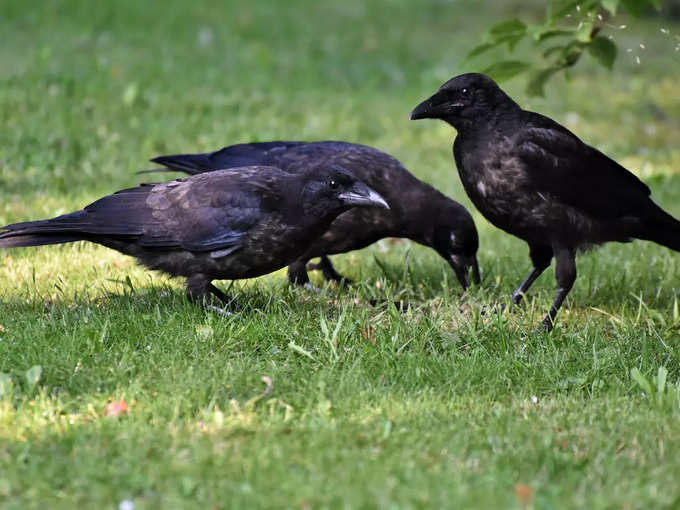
(417, 210)
(229, 224)
(535, 179)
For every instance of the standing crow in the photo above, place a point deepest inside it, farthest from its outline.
(230, 224)
(417, 210)
(535, 179)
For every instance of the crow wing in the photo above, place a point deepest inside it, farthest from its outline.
(245, 154)
(210, 212)
(560, 164)
(367, 163)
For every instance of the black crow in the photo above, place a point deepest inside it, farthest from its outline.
(230, 224)
(535, 179)
(417, 210)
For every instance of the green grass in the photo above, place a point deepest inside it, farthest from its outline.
(448, 404)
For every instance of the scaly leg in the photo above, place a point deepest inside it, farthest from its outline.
(540, 257)
(329, 272)
(199, 290)
(565, 274)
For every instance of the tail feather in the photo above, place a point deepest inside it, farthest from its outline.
(233, 156)
(191, 164)
(23, 240)
(666, 234)
(62, 229)
(661, 228)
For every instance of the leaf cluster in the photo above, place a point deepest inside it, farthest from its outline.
(559, 42)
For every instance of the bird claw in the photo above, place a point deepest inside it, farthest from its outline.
(546, 325)
(493, 309)
(312, 288)
(517, 297)
(218, 310)
(401, 305)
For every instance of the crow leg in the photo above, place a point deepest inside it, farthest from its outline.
(297, 275)
(227, 300)
(329, 272)
(540, 257)
(297, 272)
(565, 274)
(199, 291)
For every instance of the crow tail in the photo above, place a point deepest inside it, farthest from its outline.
(662, 229)
(191, 164)
(14, 240)
(62, 229)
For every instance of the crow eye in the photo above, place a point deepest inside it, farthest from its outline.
(333, 184)
(464, 92)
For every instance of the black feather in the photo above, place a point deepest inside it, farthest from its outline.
(417, 211)
(535, 179)
(228, 224)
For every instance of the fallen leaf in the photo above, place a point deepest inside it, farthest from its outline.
(369, 334)
(2, 329)
(270, 384)
(116, 408)
(523, 493)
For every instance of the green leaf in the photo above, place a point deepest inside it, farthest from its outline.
(300, 350)
(642, 381)
(571, 54)
(639, 8)
(478, 50)
(661, 381)
(536, 85)
(33, 375)
(513, 27)
(128, 281)
(610, 5)
(512, 41)
(553, 32)
(564, 8)
(603, 50)
(501, 71)
(554, 49)
(583, 34)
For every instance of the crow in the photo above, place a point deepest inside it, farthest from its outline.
(534, 179)
(417, 210)
(229, 224)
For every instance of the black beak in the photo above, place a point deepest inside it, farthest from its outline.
(362, 196)
(461, 266)
(426, 110)
(476, 277)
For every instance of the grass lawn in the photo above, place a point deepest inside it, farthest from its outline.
(445, 405)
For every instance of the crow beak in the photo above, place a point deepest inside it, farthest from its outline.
(422, 111)
(476, 277)
(461, 266)
(361, 195)
(426, 110)
(434, 107)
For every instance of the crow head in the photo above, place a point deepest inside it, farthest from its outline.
(453, 235)
(463, 100)
(332, 190)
